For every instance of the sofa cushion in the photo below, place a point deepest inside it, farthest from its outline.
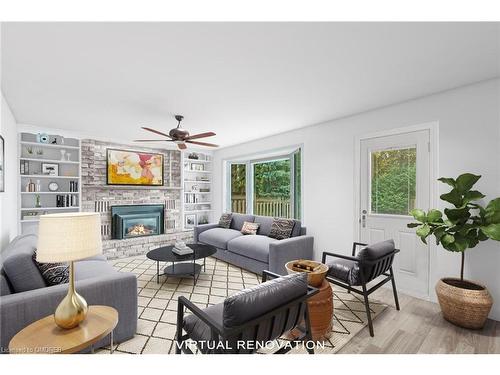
(254, 247)
(297, 227)
(250, 228)
(225, 221)
(22, 272)
(53, 273)
(345, 270)
(4, 285)
(239, 219)
(197, 329)
(87, 269)
(281, 228)
(265, 224)
(218, 237)
(251, 303)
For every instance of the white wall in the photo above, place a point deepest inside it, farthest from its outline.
(8, 199)
(469, 141)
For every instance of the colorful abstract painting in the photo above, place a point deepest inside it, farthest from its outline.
(134, 168)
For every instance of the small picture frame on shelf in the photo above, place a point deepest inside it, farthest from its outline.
(197, 167)
(50, 169)
(190, 220)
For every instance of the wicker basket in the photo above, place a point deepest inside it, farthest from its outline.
(464, 303)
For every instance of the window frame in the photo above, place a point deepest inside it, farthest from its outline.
(249, 163)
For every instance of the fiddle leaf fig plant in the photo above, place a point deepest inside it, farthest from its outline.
(464, 225)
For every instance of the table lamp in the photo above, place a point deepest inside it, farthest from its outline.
(68, 237)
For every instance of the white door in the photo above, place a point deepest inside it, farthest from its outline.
(395, 174)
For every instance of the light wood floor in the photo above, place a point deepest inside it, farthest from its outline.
(419, 328)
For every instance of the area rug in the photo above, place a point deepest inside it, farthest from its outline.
(158, 305)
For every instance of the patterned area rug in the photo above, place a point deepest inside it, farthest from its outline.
(157, 302)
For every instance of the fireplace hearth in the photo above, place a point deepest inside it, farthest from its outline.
(131, 221)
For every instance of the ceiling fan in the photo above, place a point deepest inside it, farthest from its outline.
(179, 136)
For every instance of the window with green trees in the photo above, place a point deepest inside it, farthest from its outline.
(270, 187)
(393, 181)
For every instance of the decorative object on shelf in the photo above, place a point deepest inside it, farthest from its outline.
(179, 136)
(54, 142)
(38, 204)
(31, 216)
(38, 186)
(131, 168)
(193, 156)
(203, 220)
(53, 186)
(68, 156)
(42, 138)
(30, 187)
(73, 186)
(50, 169)
(39, 152)
(194, 188)
(463, 302)
(197, 166)
(30, 150)
(24, 167)
(190, 220)
(204, 190)
(2, 165)
(180, 248)
(63, 153)
(81, 239)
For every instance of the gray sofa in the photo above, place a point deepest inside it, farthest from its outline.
(25, 298)
(259, 252)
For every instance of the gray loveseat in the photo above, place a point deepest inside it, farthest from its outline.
(25, 298)
(259, 252)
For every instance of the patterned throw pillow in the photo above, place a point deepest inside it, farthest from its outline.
(53, 273)
(225, 220)
(249, 228)
(281, 228)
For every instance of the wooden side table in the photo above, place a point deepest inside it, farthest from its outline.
(45, 337)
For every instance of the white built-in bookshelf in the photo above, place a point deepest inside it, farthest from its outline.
(197, 188)
(49, 177)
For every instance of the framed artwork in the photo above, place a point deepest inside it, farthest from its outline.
(2, 165)
(189, 221)
(197, 167)
(133, 168)
(50, 169)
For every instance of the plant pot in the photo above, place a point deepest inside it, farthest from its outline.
(463, 302)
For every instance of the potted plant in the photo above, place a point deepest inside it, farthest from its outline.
(463, 302)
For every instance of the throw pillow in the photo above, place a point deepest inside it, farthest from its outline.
(225, 220)
(249, 228)
(281, 228)
(53, 273)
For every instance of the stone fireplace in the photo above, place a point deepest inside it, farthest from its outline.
(134, 234)
(130, 221)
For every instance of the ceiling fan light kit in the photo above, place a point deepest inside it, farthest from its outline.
(179, 136)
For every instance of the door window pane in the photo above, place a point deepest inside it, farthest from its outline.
(238, 188)
(393, 181)
(272, 181)
(297, 204)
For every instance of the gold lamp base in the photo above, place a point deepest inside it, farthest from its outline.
(73, 308)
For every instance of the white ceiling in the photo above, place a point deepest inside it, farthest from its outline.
(242, 80)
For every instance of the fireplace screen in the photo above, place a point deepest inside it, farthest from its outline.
(137, 221)
(140, 227)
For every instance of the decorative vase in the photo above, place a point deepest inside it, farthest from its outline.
(464, 303)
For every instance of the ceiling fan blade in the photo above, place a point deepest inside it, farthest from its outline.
(156, 131)
(153, 140)
(182, 146)
(203, 144)
(201, 135)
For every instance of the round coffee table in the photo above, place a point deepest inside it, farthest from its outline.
(45, 337)
(186, 264)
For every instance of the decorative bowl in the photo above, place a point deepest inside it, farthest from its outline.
(314, 278)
